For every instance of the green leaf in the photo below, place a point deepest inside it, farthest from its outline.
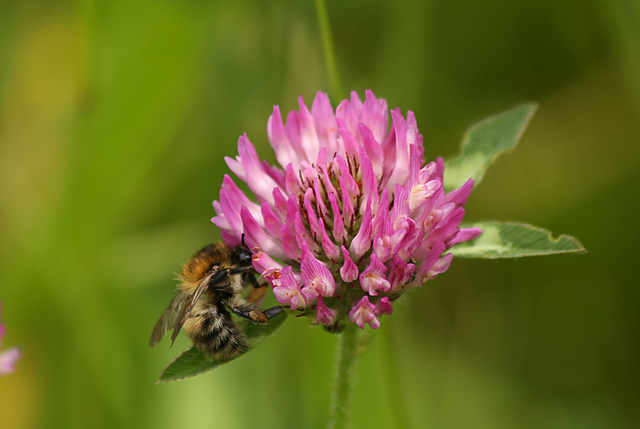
(513, 240)
(484, 142)
(193, 362)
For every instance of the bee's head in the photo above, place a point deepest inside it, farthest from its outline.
(244, 256)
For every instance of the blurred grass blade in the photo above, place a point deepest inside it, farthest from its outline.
(193, 362)
(513, 240)
(484, 142)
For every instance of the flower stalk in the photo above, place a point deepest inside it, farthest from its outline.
(344, 378)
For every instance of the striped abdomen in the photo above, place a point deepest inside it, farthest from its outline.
(214, 332)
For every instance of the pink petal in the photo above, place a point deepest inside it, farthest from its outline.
(330, 189)
(400, 273)
(262, 262)
(349, 271)
(348, 212)
(356, 103)
(289, 243)
(347, 118)
(303, 237)
(231, 200)
(272, 222)
(289, 290)
(316, 276)
(369, 181)
(231, 238)
(277, 134)
(275, 173)
(291, 180)
(401, 166)
(325, 122)
(381, 224)
(309, 197)
(235, 165)
(439, 267)
(348, 184)
(361, 243)
(322, 208)
(308, 135)
(417, 144)
(220, 220)
(374, 150)
(364, 312)
(429, 261)
(374, 115)
(466, 234)
(373, 278)
(400, 203)
(280, 203)
(348, 140)
(421, 193)
(256, 236)
(460, 196)
(258, 180)
(384, 306)
(325, 315)
(329, 247)
(339, 233)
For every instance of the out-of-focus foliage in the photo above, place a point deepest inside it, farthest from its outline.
(115, 117)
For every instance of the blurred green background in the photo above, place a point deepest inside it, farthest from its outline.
(115, 117)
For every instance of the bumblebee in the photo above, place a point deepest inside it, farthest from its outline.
(212, 283)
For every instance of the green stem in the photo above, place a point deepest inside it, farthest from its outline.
(329, 53)
(343, 383)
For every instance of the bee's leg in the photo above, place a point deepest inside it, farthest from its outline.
(248, 312)
(255, 314)
(257, 293)
(253, 281)
(273, 311)
(240, 270)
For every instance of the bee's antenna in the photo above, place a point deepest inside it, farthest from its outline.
(243, 243)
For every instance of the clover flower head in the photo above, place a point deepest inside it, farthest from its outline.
(352, 218)
(9, 357)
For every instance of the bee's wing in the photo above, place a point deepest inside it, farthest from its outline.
(169, 317)
(212, 278)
